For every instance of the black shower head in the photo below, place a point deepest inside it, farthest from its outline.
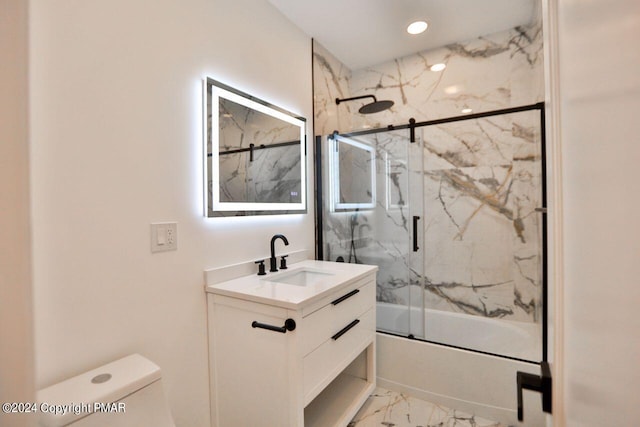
(373, 107)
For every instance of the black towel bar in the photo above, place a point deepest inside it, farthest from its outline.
(289, 325)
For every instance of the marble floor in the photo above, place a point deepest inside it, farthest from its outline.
(392, 409)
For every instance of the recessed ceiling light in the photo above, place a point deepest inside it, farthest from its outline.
(417, 27)
(438, 67)
(452, 90)
(466, 110)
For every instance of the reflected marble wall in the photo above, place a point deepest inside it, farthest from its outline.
(273, 175)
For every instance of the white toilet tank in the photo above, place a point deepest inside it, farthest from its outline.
(124, 393)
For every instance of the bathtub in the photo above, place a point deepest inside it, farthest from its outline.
(519, 340)
(477, 383)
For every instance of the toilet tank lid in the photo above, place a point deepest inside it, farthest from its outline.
(106, 384)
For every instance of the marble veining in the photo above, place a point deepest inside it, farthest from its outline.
(490, 72)
(475, 184)
(392, 409)
(330, 81)
(482, 186)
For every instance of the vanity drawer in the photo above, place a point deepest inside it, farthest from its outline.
(322, 365)
(345, 307)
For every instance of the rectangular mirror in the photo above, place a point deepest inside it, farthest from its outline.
(255, 155)
(353, 174)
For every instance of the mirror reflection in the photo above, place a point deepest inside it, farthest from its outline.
(397, 180)
(354, 174)
(255, 155)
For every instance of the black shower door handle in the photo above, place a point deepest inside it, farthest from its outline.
(415, 233)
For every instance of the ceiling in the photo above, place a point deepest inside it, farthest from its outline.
(361, 33)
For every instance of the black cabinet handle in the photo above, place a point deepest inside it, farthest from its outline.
(345, 296)
(345, 329)
(415, 233)
(289, 325)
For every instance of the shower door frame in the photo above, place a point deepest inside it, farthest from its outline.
(412, 125)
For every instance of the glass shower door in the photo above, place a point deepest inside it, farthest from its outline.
(455, 223)
(371, 214)
(483, 235)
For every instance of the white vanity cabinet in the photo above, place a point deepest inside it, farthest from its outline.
(318, 374)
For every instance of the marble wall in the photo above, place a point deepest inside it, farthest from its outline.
(474, 184)
(331, 80)
(488, 73)
(482, 247)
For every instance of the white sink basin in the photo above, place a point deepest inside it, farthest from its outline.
(302, 284)
(301, 277)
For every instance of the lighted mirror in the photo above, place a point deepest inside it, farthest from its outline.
(353, 174)
(255, 155)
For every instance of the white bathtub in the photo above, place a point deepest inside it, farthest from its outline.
(477, 383)
(520, 340)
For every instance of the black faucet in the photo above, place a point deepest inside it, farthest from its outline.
(273, 250)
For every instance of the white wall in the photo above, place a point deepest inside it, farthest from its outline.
(600, 100)
(117, 136)
(16, 333)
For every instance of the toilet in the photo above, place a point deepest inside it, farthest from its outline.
(125, 393)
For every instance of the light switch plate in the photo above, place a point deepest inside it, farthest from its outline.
(164, 236)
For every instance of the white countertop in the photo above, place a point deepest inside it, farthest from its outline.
(265, 289)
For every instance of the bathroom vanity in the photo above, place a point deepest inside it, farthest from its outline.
(292, 348)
